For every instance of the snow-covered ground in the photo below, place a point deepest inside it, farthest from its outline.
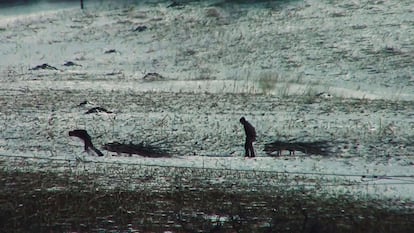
(220, 61)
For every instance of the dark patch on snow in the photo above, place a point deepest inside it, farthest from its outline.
(97, 110)
(176, 4)
(114, 73)
(140, 28)
(324, 95)
(83, 103)
(110, 51)
(153, 77)
(71, 63)
(44, 66)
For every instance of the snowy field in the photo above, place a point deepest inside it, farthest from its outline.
(219, 60)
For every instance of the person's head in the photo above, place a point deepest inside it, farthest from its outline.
(242, 120)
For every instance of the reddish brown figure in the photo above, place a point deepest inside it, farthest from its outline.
(250, 137)
(83, 134)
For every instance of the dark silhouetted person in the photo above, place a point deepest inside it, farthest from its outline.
(250, 137)
(82, 134)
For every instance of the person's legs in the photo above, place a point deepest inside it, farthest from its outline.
(251, 148)
(246, 148)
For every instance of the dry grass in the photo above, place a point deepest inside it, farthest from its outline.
(50, 202)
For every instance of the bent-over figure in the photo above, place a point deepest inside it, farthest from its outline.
(250, 137)
(83, 134)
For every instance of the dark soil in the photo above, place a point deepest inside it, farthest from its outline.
(48, 202)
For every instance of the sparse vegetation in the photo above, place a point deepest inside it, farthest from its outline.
(48, 201)
(268, 81)
(268, 60)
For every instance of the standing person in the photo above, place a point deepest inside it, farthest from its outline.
(250, 137)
